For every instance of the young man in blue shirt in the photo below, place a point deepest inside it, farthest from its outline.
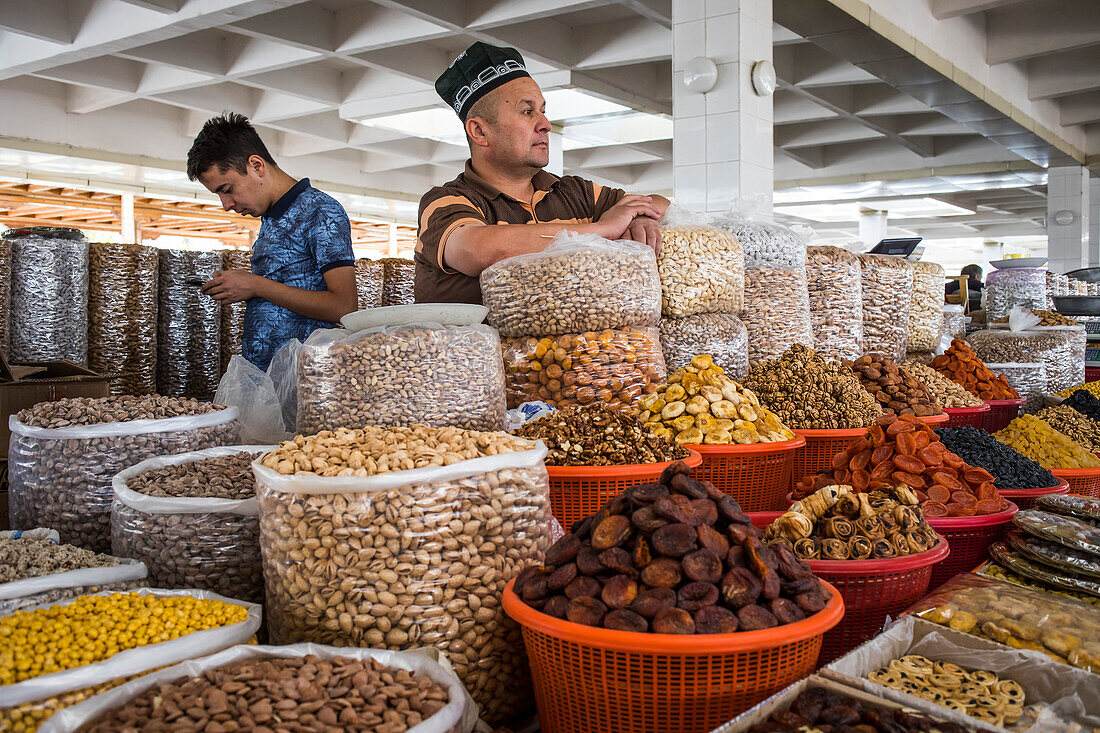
(303, 268)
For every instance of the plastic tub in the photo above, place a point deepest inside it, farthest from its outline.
(1092, 374)
(758, 476)
(591, 679)
(1001, 413)
(873, 590)
(957, 416)
(821, 446)
(1082, 481)
(935, 419)
(578, 491)
(970, 538)
(1025, 498)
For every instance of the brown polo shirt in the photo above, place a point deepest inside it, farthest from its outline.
(469, 200)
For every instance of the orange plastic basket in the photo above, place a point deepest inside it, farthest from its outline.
(821, 446)
(589, 679)
(1082, 481)
(578, 491)
(970, 538)
(957, 416)
(757, 475)
(1025, 498)
(873, 590)
(1001, 413)
(935, 419)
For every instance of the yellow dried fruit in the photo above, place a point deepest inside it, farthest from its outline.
(1046, 446)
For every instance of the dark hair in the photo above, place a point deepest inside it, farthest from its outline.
(971, 270)
(227, 141)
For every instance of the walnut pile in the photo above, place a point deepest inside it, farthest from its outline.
(808, 392)
(598, 435)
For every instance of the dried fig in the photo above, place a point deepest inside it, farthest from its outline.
(754, 618)
(582, 587)
(713, 540)
(586, 610)
(702, 565)
(694, 596)
(735, 558)
(684, 484)
(811, 602)
(809, 704)
(738, 533)
(588, 562)
(641, 556)
(525, 576)
(786, 610)
(740, 587)
(647, 520)
(674, 540)
(618, 559)
(729, 509)
(611, 532)
(645, 494)
(677, 467)
(675, 508)
(790, 720)
(562, 577)
(619, 592)
(557, 606)
(536, 588)
(703, 511)
(564, 550)
(664, 572)
(623, 619)
(715, 620)
(652, 601)
(674, 621)
(838, 715)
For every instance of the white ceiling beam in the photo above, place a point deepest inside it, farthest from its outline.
(293, 145)
(310, 81)
(483, 14)
(246, 55)
(637, 87)
(203, 52)
(1034, 29)
(789, 107)
(616, 155)
(659, 11)
(46, 20)
(826, 132)
(943, 9)
(161, 6)
(308, 26)
(452, 14)
(158, 79)
(622, 43)
(368, 27)
(274, 106)
(106, 72)
(1080, 109)
(215, 99)
(82, 100)
(419, 62)
(1061, 74)
(549, 41)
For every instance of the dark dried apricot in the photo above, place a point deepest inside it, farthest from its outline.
(664, 572)
(652, 601)
(622, 619)
(703, 511)
(647, 520)
(694, 596)
(562, 577)
(558, 607)
(677, 467)
(786, 610)
(811, 602)
(588, 562)
(688, 486)
(754, 618)
(674, 621)
(619, 560)
(740, 587)
(641, 556)
(564, 550)
(674, 540)
(619, 592)
(586, 610)
(702, 565)
(611, 532)
(713, 540)
(645, 494)
(583, 586)
(715, 620)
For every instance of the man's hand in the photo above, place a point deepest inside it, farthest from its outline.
(646, 231)
(617, 222)
(231, 286)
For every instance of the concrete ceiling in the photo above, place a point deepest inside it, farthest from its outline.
(131, 81)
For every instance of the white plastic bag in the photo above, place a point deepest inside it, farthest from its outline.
(283, 371)
(127, 569)
(252, 392)
(460, 713)
(206, 543)
(140, 659)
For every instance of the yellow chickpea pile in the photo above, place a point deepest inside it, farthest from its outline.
(94, 628)
(26, 718)
(1092, 387)
(1043, 444)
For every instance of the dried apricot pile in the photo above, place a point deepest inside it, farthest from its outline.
(962, 365)
(903, 451)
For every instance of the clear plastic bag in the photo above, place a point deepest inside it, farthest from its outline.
(49, 295)
(1061, 349)
(422, 559)
(702, 269)
(777, 311)
(254, 395)
(430, 374)
(458, 716)
(5, 297)
(1027, 378)
(954, 322)
(189, 348)
(232, 331)
(765, 244)
(721, 336)
(61, 477)
(39, 589)
(122, 316)
(615, 367)
(887, 293)
(926, 307)
(370, 276)
(836, 302)
(205, 543)
(581, 282)
(1022, 286)
(400, 278)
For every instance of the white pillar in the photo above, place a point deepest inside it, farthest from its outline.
(129, 231)
(1067, 218)
(872, 227)
(393, 240)
(1094, 223)
(722, 141)
(557, 154)
(992, 251)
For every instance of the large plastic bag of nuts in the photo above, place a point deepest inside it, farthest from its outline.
(1061, 350)
(1017, 286)
(370, 276)
(581, 282)
(44, 690)
(458, 715)
(1027, 378)
(887, 295)
(186, 535)
(926, 307)
(722, 336)
(702, 267)
(232, 323)
(189, 325)
(42, 589)
(403, 374)
(833, 277)
(398, 282)
(63, 455)
(406, 557)
(615, 366)
(122, 316)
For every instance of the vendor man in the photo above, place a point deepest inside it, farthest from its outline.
(303, 269)
(504, 204)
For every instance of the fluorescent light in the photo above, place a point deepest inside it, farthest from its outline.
(918, 208)
(638, 127)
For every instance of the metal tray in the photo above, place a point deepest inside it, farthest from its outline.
(1077, 305)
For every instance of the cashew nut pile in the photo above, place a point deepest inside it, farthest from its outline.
(702, 271)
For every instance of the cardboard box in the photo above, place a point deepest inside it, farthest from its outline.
(25, 385)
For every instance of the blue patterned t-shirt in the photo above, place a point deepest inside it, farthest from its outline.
(304, 234)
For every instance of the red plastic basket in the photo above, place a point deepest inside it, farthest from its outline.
(873, 590)
(970, 538)
(757, 475)
(957, 416)
(1025, 498)
(1092, 374)
(935, 419)
(1001, 413)
(589, 679)
(1082, 481)
(578, 491)
(821, 446)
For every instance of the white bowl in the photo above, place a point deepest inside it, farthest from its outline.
(448, 314)
(1012, 264)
